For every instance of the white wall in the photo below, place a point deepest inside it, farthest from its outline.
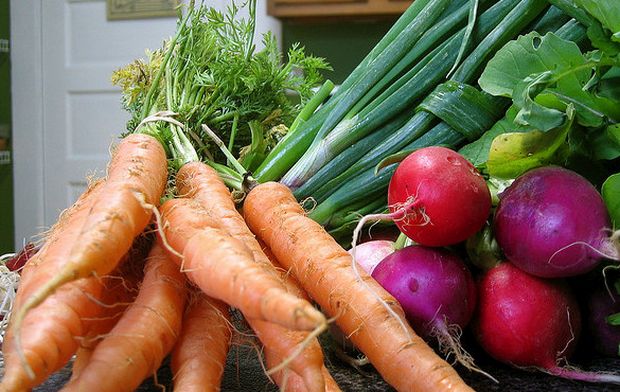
(42, 33)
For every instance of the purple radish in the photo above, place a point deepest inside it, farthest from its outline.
(552, 223)
(436, 291)
(529, 322)
(606, 337)
(369, 254)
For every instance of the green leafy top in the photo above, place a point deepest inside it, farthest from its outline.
(565, 105)
(211, 73)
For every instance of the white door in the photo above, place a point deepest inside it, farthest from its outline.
(66, 112)
(82, 110)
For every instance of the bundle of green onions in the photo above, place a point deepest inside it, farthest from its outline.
(417, 87)
(213, 97)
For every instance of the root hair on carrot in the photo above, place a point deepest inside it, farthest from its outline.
(308, 204)
(302, 346)
(160, 230)
(356, 234)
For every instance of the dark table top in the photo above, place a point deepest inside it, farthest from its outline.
(244, 373)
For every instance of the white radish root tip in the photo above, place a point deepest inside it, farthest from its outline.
(448, 337)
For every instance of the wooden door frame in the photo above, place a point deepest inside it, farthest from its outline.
(27, 112)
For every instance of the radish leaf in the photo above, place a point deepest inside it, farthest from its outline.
(611, 194)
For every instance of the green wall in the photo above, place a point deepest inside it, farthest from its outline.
(6, 170)
(343, 43)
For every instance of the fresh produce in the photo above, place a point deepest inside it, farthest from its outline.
(119, 291)
(527, 321)
(48, 330)
(551, 222)
(601, 305)
(199, 355)
(443, 198)
(434, 287)
(369, 254)
(364, 311)
(436, 291)
(223, 267)
(217, 117)
(143, 336)
(118, 213)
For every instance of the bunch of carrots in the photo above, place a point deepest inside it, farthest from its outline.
(100, 288)
(150, 260)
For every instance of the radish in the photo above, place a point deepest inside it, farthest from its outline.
(605, 337)
(436, 291)
(527, 321)
(445, 199)
(551, 222)
(369, 254)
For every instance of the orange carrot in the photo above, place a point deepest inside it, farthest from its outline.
(49, 334)
(290, 381)
(280, 343)
(120, 290)
(120, 212)
(403, 359)
(144, 335)
(223, 268)
(200, 182)
(199, 356)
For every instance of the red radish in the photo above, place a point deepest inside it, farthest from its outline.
(528, 321)
(436, 291)
(445, 198)
(17, 262)
(369, 254)
(551, 222)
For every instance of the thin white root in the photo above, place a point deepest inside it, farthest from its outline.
(449, 337)
(398, 214)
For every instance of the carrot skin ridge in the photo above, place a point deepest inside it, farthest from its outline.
(324, 269)
(143, 336)
(199, 355)
(224, 268)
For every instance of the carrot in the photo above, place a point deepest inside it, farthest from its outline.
(202, 183)
(307, 371)
(120, 289)
(144, 335)
(403, 359)
(50, 332)
(223, 268)
(136, 179)
(199, 356)
(291, 381)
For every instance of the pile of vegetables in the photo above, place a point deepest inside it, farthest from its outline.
(485, 130)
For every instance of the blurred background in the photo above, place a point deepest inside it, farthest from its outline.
(59, 111)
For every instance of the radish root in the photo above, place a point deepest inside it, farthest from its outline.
(448, 337)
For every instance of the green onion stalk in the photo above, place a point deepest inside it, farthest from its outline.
(446, 133)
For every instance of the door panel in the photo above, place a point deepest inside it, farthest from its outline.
(82, 110)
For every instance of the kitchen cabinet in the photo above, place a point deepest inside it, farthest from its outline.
(298, 9)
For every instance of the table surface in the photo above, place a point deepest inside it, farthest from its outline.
(244, 373)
